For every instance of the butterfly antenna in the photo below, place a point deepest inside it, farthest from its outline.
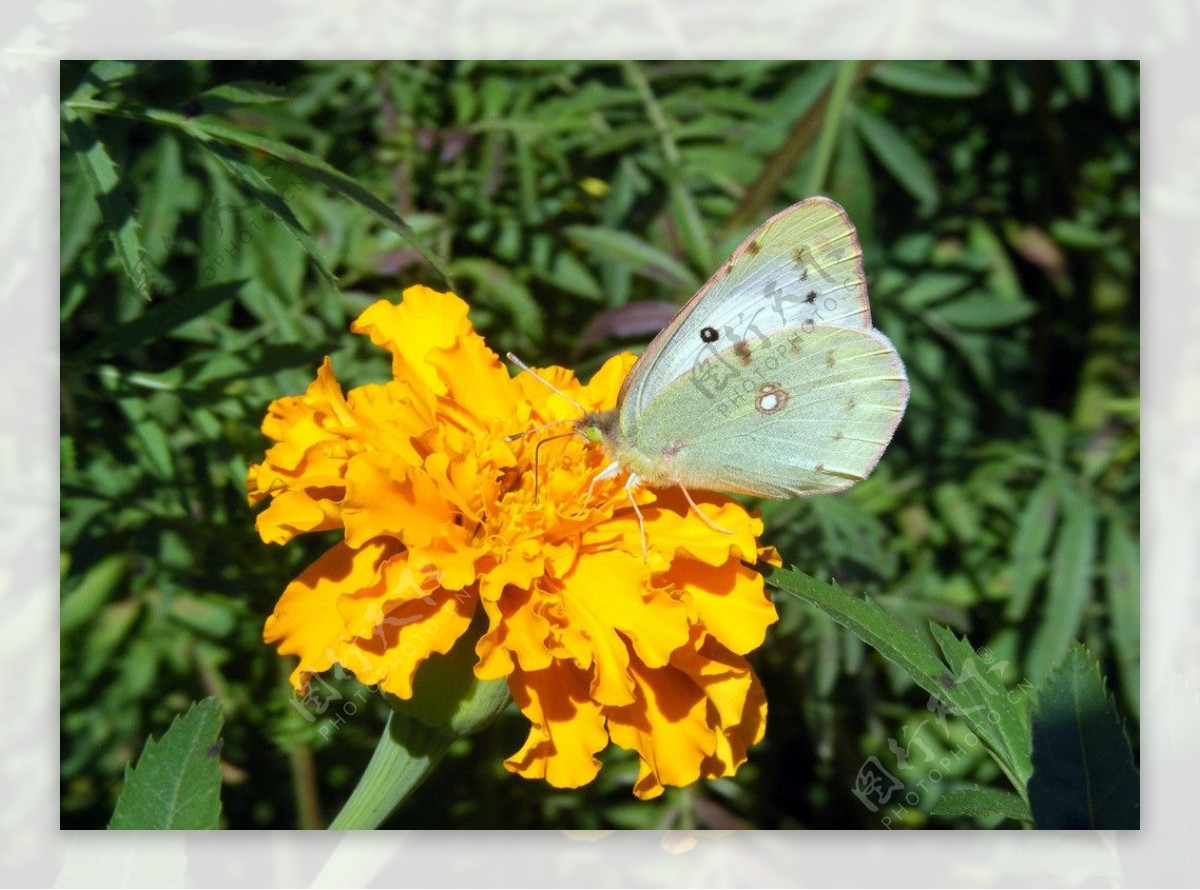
(538, 377)
(512, 437)
(537, 450)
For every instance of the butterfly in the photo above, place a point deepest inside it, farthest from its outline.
(771, 381)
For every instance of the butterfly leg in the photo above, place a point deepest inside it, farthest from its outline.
(634, 479)
(700, 513)
(631, 483)
(607, 473)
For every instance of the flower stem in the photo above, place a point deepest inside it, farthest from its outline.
(408, 751)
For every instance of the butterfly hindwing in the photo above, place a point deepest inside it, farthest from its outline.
(798, 411)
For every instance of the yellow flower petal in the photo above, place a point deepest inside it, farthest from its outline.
(385, 497)
(730, 604)
(306, 621)
(445, 515)
(568, 727)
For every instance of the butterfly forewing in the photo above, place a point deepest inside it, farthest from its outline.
(802, 268)
(798, 411)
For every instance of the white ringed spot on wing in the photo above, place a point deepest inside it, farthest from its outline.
(770, 397)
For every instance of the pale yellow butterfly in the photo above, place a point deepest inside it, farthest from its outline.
(771, 381)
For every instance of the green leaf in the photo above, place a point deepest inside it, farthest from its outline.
(1070, 587)
(83, 603)
(998, 716)
(850, 179)
(323, 172)
(119, 220)
(209, 615)
(631, 251)
(690, 225)
(870, 623)
(1120, 87)
(256, 184)
(1083, 771)
(902, 647)
(926, 79)
(177, 781)
(1029, 542)
(158, 321)
(1121, 589)
(104, 74)
(933, 287)
(501, 288)
(162, 196)
(238, 94)
(79, 214)
(207, 127)
(1077, 75)
(983, 803)
(983, 312)
(1080, 235)
(898, 156)
(569, 272)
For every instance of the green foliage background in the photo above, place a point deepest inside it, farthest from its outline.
(222, 223)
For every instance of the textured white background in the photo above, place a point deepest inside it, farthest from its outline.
(1165, 34)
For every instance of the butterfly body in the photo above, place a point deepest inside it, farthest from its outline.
(771, 381)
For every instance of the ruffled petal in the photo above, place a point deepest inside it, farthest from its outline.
(567, 731)
(306, 621)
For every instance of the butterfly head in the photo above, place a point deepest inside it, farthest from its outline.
(597, 427)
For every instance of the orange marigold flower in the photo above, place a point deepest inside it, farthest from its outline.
(442, 517)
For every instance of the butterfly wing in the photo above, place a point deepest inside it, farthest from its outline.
(801, 268)
(800, 411)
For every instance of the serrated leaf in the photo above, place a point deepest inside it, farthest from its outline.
(983, 803)
(898, 156)
(901, 646)
(115, 211)
(998, 716)
(1083, 771)
(621, 247)
(177, 781)
(926, 79)
(78, 217)
(869, 622)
